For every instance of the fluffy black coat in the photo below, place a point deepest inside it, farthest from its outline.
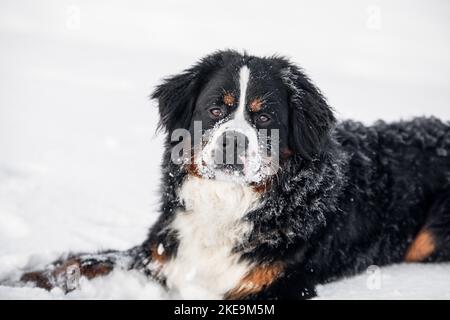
(360, 203)
(350, 196)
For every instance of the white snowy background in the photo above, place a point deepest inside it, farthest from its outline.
(79, 158)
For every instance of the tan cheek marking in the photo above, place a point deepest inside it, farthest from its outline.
(256, 280)
(256, 105)
(192, 168)
(421, 248)
(286, 153)
(263, 186)
(228, 99)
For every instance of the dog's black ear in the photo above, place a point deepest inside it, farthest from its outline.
(311, 119)
(176, 99)
(177, 94)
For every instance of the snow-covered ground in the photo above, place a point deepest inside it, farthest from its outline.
(79, 158)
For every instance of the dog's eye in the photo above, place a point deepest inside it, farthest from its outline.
(216, 112)
(263, 118)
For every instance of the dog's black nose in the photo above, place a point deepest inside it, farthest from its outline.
(234, 140)
(232, 147)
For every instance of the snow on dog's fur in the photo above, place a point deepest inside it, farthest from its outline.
(343, 197)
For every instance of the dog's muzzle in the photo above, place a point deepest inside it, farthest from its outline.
(230, 151)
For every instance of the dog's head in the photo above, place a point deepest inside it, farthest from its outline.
(245, 115)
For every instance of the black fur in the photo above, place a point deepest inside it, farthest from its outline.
(349, 196)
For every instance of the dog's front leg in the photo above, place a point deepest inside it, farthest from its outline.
(272, 281)
(65, 272)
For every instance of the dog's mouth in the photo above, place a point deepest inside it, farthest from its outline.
(247, 167)
(235, 151)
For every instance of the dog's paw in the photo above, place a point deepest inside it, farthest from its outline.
(41, 279)
(66, 274)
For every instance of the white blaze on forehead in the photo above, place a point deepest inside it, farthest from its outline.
(244, 76)
(236, 123)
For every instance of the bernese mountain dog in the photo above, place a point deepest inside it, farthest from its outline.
(273, 196)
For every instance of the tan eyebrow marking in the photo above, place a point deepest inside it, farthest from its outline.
(228, 99)
(256, 105)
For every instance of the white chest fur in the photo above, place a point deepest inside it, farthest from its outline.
(205, 267)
